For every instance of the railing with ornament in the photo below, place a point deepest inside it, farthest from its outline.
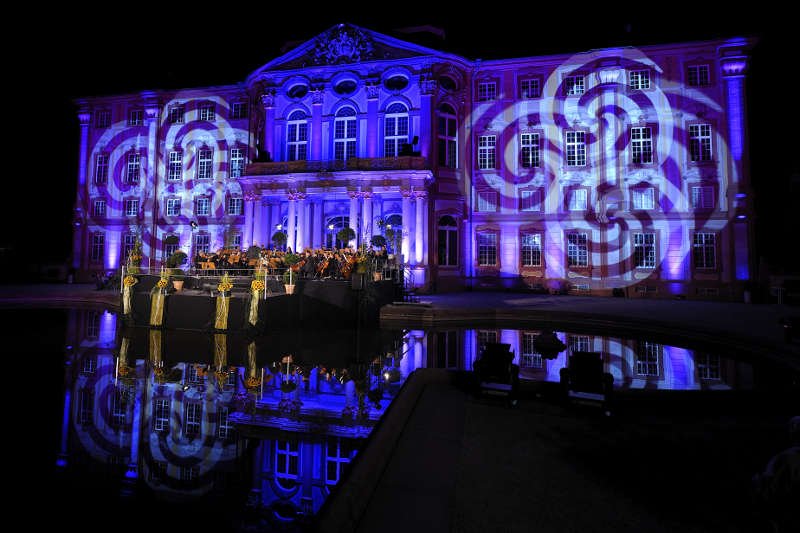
(372, 163)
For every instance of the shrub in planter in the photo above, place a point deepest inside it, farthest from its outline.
(278, 239)
(346, 235)
(378, 241)
(174, 262)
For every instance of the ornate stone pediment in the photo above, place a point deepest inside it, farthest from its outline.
(342, 44)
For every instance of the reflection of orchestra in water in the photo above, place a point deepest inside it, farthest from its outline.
(311, 264)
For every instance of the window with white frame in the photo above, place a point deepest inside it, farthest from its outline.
(531, 244)
(132, 207)
(577, 199)
(193, 419)
(102, 118)
(238, 110)
(577, 249)
(173, 207)
(574, 85)
(447, 241)
(487, 91)
(648, 358)
(642, 145)
(85, 406)
(643, 198)
(194, 374)
(484, 337)
(447, 350)
(92, 325)
(99, 208)
(135, 117)
(708, 366)
(487, 249)
(133, 168)
(297, 136)
(529, 150)
(202, 206)
(287, 461)
(338, 454)
(176, 114)
(98, 247)
(236, 163)
(101, 169)
(576, 148)
(231, 380)
(224, 426)
(175, 166)
(703, 197)
(171, 248)
(344, 134)
(157, 472)
(639, 80)
(700, 142)
(207, 112)
(486, 201)
(395, 129)
(89, 364)
(530, 200)
(644, 250)
(205, 164)
(448, 136)
(190, 473)
(128, 244)
(704, 250)
(487, 155)
(235, 206)
(698, 75)
(529, 88)
(236, 240)
(202, 243)
(119, 407)
(530, 358)
(578, 343)
(161, 410)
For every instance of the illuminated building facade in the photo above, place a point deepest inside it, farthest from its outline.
(623, 168)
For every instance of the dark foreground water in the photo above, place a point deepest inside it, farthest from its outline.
(138, 429)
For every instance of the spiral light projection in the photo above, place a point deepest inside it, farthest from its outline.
(606, 111)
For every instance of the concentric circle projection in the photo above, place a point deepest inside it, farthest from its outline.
(605, 114)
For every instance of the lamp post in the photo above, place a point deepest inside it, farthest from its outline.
(332, 236)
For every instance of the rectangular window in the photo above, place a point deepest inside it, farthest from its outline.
(287, 459)
(205, 164)
(344, 134)
(699, 75)
(238, 110)
(703, 197)
(224, 427)
(171, 248)
(487, 200)
(89, 364)
(486, 336)
(642, 146)
(644, 250)
(704, 250)
(161, 409)
(448, 141)
(237, 163)
(190, 473)
(119, 407)
(157, 472)
(487, 249)
(700, 142)
(92, 325)
(530, 200)
(176, 114)
(194, 375)
(531, 249)
(577, 200)
(128, 244)
(297, 141)
(487, 91)
(135, 117)
(647, 359)
(99, 209)
(576, 148)
(530, 358)
(202, 243)
(708, 366)
(207, 112)
(236, 240)
(133, 168)
(175, 166)
(486, 152)
(202, 206)
(574, 85)
(577, 249)
(644, 199)
(102, 119)
(529, 150)
(101, 169)
(578, 343)
(131, 208)
(447, 350)
(338, 454)
(98, 247)
(448, 245)
(193, 420)
(235, 206)
(173, 207)
(85, 407)
(529, 88)
(639, 80)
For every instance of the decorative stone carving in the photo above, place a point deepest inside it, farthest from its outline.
(373, 90)
(317, 94)
(342, 44)
(427, 85)
(268, 98)
(734, 66)
(608, 75)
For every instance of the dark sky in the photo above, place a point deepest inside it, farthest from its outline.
(161, 48)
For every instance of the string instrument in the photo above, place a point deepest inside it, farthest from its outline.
(347, 268)
(297, 266)
(323, 265)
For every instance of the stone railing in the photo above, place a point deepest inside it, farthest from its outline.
(370, 163)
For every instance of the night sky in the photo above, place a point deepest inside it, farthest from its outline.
(163, 48)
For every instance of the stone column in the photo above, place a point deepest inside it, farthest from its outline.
(366, 217)
(317, 97)
(318, 229)
(258, 221)
(354, 216)
(427, 87)
(609, 79)
(82, 199)
(268, 102)
(419, 225)
(247, 231)
(373, 124)
(300, 240)
(290, 229)
(406, 211)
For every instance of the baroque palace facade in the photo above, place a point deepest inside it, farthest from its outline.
(622, 168)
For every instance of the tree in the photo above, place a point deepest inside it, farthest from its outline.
(279, 239)
(345, 235)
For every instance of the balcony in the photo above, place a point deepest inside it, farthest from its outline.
(353, 164)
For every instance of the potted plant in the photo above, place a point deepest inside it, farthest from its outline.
(176, 273)
(345, 235)
(289, 276)
(279, 239)
(378, 241)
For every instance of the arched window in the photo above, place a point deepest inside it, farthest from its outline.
(395, 129)
(448, 136)
(332, 227)
(344, 134)
(448, 241)
(297, 137)
(393, 231)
